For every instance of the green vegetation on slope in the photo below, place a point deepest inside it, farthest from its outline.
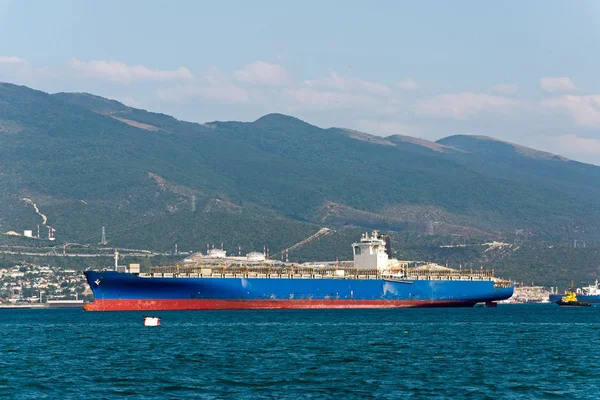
(90, 162)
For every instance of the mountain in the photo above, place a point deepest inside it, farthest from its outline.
(153, 181)
(578, 184)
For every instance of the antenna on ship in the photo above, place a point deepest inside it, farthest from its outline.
(239, 250)
(103, 241)
(287, 258)
(38, 235)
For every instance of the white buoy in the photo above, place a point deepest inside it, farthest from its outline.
(151, 321)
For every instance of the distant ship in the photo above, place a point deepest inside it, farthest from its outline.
(374, 281)
(590, 294)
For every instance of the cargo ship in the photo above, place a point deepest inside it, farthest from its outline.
(373, 281)
(590, 294)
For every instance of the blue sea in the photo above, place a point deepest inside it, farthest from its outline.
(509, 352)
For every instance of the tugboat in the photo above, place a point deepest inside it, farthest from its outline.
(570, 299)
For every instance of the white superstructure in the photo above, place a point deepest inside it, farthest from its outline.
(216, 253)
(370, 252)
(255, 256)
(592, 290)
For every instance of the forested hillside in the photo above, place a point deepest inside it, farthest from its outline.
(153, 181)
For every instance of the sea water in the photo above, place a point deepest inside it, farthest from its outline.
(511, 352)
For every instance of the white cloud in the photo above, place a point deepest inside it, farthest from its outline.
(384, 128)
(506, 88)
(585, 110)
(408, 84)
(579, 146)
(262, 73)
(462, 106)
(130, 101)
(223, 92)
(118, 72)
(336, 81)
(13, 60)
(310, 98)
(394, 107)
(18, 70)
(558, 84)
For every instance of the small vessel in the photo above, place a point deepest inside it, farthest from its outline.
(151, 321)
(570, 299)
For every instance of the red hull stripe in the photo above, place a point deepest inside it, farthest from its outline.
(164, 305)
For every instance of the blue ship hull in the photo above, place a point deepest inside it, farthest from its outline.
(123, 291)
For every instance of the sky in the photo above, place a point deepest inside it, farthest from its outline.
(522, 71)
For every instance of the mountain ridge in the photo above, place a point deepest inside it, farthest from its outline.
(527, 151)
(90, 162)
(437, 145)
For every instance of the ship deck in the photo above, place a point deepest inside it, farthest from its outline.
(269, 272)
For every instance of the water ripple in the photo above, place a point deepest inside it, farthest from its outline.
(512, 352)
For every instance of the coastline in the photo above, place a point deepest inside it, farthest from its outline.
(39, 306)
